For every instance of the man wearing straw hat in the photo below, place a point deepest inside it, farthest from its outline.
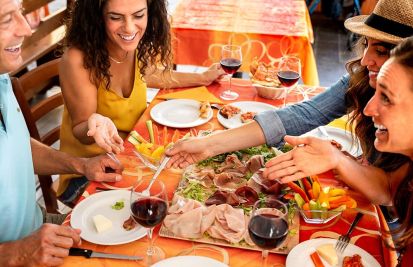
(390, 22)
(25, 238)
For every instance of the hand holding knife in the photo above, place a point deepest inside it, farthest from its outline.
(88, 253)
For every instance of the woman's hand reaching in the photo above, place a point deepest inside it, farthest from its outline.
(310, 156)
(104, 131)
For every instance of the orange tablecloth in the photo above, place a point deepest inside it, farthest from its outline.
(266, 29)
(367, 234)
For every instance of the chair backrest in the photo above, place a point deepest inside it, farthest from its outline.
(48, 30)
(25, 88)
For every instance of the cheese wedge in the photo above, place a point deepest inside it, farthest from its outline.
(102, 223)
(328, 253)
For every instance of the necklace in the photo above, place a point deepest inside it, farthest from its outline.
(119, 61)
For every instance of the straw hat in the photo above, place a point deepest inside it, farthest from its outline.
(391, 21)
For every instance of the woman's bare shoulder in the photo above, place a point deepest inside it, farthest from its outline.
(72, 57)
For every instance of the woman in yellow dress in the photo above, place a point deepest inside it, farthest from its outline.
(114, 49)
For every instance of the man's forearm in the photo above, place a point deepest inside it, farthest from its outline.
(47, 160)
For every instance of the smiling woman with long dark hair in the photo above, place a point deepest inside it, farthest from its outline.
(113, 50)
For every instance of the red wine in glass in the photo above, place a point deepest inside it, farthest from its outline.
(230, 65)
(149, 212)
(267, 231)
(287, 77)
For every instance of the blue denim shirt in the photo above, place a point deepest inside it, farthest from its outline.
(305, 116)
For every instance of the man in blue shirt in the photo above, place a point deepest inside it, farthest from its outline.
(24, 238)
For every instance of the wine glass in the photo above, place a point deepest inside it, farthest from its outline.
(289, 72)
(149, 211)
(268, 226)
(231, 58)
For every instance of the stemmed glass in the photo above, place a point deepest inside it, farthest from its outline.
(268, 226)
(149, 210)
(289, 72)
(231, 58)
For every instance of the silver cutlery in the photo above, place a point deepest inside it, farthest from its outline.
(158, 171)
(88, 253)
(343, 240)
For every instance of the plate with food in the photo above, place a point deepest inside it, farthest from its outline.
(181, 113)
(324, 247)
(189, 261)
(214, 198)
(342, 137)
(237, 113)
(104, 219)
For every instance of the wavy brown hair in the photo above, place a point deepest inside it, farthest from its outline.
(403, 200)
(358, 95)
(85, 30)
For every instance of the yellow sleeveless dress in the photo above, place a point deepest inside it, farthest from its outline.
(124, 112)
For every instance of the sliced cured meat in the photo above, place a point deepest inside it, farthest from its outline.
(247, 195)
(188, 218)
(228, 181)
(268, 186)
(129, 224)
(254, 185)
(202, 176)
(217, 198)
(222, 197)
(255, 163)
(232, 163)
(229, 224)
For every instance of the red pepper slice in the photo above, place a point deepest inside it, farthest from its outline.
(298, 190)
(307, 184)
(316, 259)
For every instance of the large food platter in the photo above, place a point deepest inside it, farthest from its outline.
(196, 193)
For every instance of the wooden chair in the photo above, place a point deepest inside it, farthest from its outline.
(25, 88)
(46, 36)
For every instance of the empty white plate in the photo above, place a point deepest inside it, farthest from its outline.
(179, 113)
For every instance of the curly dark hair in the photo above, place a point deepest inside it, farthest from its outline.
(85, 30)
(357, 96)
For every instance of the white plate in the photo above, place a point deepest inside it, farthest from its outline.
(179, 113)
(245, 106)
(100, 203)
(300, 254)
(342, 137)
(189, 261)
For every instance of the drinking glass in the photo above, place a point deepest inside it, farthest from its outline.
(268, 226)
(289, 72)
(231, 58)
(149, 210)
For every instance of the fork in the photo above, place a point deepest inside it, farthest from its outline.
(343, 240)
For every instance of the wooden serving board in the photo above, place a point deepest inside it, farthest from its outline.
(291, 241)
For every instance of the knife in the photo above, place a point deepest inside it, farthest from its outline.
(88, 253)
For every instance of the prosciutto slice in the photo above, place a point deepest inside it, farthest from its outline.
(229, 224)
(229, 181)
(202, 176)
(232, 163)
(268, 186)
(255, 163)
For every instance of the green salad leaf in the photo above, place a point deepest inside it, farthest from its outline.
(118, 205)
